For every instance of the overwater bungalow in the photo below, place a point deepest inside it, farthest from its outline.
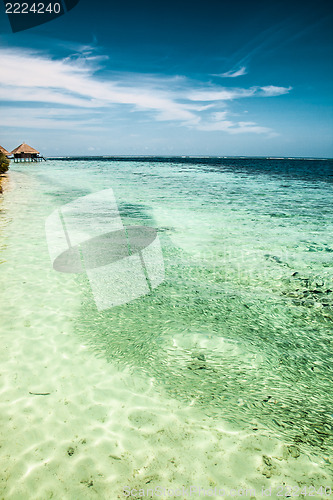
(23, 152)
(4, 151)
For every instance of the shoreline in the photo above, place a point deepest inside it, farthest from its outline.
(4, 181)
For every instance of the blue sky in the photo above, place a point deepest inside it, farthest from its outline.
(173, 78)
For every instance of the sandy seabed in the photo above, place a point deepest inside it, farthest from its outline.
(98, 431)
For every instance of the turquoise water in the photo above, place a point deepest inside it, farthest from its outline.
(241, 327)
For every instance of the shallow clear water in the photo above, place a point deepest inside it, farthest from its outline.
(241, 328)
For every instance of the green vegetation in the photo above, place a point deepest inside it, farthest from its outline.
(4, 163)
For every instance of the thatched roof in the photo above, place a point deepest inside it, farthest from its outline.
(24, 148)
(4, 151)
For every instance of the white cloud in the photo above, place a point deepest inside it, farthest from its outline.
(272, 91)
(228, 94)
(233, 74)
(235, 127)
(32, 78)
(219, 115)
(220, 94)
(72, 84)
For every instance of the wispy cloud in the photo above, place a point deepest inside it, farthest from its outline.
(220, 122)
(229, 94)
(272, 90)
(76, 82)
(234, 73)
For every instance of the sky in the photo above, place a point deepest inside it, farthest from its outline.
(205, 78)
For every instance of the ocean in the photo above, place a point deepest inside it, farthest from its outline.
(220, 377)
